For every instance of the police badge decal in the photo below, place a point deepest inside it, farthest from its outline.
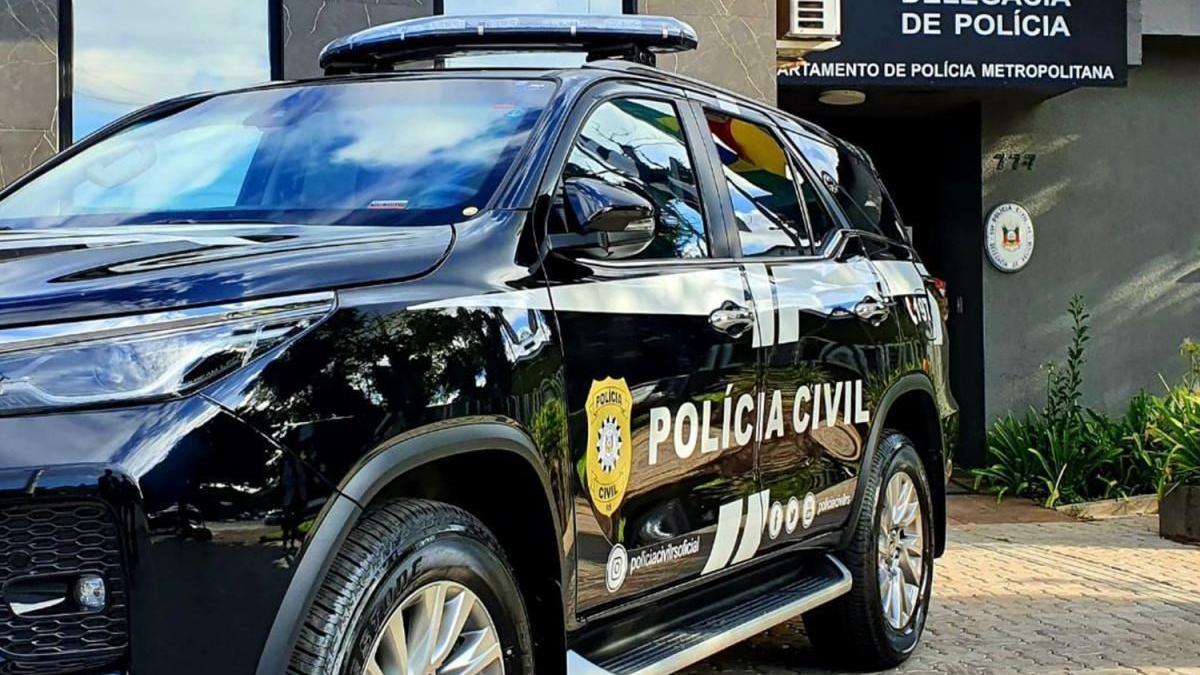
(609, 451)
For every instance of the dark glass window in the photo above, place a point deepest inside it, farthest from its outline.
(131, 53)
(639, 144)
(821, 221)
(343, 154)
(850, 175)
(770, 217)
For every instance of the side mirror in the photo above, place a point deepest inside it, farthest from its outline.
(607, 222)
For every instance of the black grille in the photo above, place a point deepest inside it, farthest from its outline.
(61, 539)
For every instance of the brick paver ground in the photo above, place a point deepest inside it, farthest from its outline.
(1036, 597)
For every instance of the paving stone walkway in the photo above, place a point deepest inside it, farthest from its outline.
(1035, 597)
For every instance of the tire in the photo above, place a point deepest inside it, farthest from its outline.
(855, 630)
(396, 549)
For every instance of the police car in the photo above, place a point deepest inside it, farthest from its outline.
(464, 370)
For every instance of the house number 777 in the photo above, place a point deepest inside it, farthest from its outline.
(1014, 161)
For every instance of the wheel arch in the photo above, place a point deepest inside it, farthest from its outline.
(909, 406)
(395, 469)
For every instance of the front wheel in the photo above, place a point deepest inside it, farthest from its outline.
(879, 622)
(418, 587)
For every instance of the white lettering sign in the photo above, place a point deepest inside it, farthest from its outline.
(745, 419)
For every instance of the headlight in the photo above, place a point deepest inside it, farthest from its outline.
(144, 357)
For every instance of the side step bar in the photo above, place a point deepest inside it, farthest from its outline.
(680, 646)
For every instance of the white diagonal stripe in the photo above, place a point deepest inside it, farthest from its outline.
(729, 521)
(756, 520)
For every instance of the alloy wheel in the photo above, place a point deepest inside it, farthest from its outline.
(442, 628)
(901, 551)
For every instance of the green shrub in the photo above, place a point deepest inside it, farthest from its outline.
(1012, 447)
(1190, 351)
(1064, 384)
(1175, 431)
(1138, 464)
(1067, 453)
(1057, 454)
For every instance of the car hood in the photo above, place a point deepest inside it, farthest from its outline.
(62, 274)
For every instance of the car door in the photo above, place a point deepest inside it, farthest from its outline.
(823, 317)
(660, 363)
(854, 183)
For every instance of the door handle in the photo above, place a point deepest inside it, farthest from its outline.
(732, 319)
(873, 310)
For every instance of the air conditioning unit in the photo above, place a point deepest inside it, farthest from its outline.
(808, 19)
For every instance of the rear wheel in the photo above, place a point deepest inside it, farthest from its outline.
(880, 621)
(900, 551)
(441, 627)
(418, 587)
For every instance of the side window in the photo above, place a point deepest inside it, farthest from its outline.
(639, 144)
(819, 218)
(769, 214)
(824, 160)
(855, 184)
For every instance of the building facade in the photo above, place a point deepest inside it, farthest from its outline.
(1081, 113)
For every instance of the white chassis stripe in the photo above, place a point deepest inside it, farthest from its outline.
(901, 277)
(756, 520)
(764, 305)
(729, 522)
(693, 293)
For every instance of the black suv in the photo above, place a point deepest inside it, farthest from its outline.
(463, 370)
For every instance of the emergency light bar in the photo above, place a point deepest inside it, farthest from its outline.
(380, 48)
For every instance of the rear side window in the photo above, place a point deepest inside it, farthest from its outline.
(849, 174)
(821, 221)
(769, 214)
(639, 144)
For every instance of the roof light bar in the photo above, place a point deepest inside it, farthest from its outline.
(380, 48)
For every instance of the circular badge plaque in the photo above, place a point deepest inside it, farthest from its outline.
(1009, 237)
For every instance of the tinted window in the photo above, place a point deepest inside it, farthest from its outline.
(819, 218)
(130, 53)
(770, 217)
(324, 154)
(849, 173)
(639, 144)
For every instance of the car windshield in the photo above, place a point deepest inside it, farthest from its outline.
(398, 152)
